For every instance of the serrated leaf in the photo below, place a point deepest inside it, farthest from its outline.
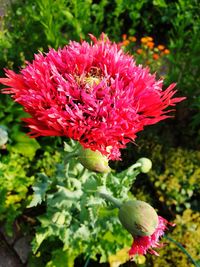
(90, 185)
(82, 233)
(40, 236)
(68, 148)
(64, 198)
(39, 189)
(68, 194)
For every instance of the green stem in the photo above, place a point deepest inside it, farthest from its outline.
(87, 262)
(182, 249)
(131, 168)
(136, 165)
(115, 201)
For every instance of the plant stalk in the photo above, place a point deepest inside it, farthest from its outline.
(87, 262)
(183, 250)
(111, 199)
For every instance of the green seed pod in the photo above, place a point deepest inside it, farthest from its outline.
(138, 217)
(94, 160)
(146, 164)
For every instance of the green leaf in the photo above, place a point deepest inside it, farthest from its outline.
(40, 236)
(24, 145)
(160, 3)
(82, 233)
(68, 15)
(62, 258)
(39, 189)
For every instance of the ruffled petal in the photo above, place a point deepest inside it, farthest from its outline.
(144, 244)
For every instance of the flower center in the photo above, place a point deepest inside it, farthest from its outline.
(92, 80)
(89, 80)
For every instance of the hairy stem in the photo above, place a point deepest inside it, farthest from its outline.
(111, 199)
(183, 250)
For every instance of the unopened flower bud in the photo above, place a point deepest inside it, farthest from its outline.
(138, 217)
(146, 164)
(94, 160)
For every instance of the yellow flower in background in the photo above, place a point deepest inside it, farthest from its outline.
(149, 39)
(144, 40)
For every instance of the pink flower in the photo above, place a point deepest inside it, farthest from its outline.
(144, 244)
(93, 93)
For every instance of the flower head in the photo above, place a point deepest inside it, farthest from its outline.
(125, 42)
(150, 45)
(132, 38)
(166, 51)
(124, 36)
(155, 56)
(161, 47)
(144, 244)
(91, 92)
(139, 51)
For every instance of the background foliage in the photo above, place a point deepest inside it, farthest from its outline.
(26, 164)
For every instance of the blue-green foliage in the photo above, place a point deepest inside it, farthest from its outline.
(76, 214)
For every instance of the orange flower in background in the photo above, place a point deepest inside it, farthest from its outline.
(125, 42)
(155, 56)
(150, 45)
(124, 36)
(144, 40)
(150, 39)
(166, 51)
(161, 47)
(132, 38)
(139, 51)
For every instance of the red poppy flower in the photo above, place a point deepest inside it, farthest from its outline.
(93, 93)
(144, 244)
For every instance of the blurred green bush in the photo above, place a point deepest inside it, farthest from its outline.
(178, 184)
(14, 184)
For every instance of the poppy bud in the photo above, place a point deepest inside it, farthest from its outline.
(138, 217)
(94, 160)
(146, 164)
